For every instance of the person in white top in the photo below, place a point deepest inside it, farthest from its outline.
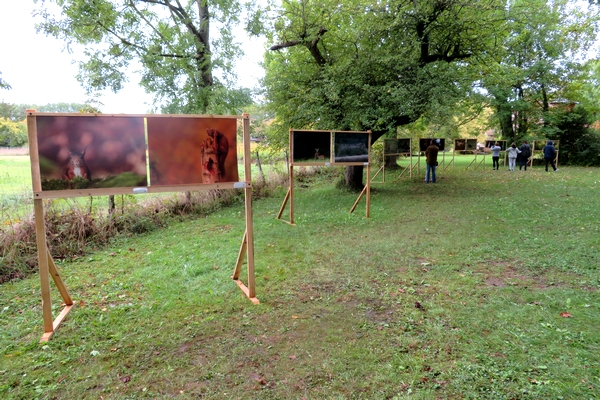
(496, 156)
(512, 152)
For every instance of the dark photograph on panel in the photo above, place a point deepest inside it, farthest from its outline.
(501, 143)
(460, 144)
(471, 145)
(351, 147)
(192, 150)
(311, 146)
(425, 142)
(80, 152)
(390, 146)
(404, 146)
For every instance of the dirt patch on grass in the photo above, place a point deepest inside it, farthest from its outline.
(502, 274)
(507, 273)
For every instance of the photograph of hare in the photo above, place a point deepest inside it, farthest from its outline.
(311, 146)
(78, 152)
(190, 150)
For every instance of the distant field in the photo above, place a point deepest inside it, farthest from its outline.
(15, 187)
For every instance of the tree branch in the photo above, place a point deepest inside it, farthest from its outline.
(312, 46)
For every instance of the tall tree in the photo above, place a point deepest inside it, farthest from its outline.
(542, 51)
(372, 65)
(182, 61)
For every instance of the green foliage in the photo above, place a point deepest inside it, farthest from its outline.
(186, 69)
(363, 66)
(16, 112)
(579, 140)
(12, 134)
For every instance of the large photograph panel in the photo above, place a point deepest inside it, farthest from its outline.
(471, 144)
(351, 147)
(79, 152)
(460, 144)
(186, 150)
(311, 146)
(501, 143)
(404, 146)
(424, 143)
(390, 146)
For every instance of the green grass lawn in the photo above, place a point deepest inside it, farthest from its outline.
(484, 285)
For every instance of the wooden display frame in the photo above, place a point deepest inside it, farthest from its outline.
(473, 151)
(289, 196)
(47, 267)
(410, 167)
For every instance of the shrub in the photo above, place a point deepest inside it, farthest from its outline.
(73, 232)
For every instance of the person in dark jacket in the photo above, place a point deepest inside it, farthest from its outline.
(431, 154)
(550, 155)
(525, 154)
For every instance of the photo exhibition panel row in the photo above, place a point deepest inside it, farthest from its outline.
(308, 147)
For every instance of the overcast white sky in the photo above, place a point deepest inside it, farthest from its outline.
(40, 71)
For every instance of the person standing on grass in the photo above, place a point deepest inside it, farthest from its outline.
(496, 156)
(512, 152)
(431, 159)
(550, 155)
(525, 154)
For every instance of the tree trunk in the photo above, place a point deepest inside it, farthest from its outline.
(391, 162)
(354, 177)
(262, 175)
(111, 204)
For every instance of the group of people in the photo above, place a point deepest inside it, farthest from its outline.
(522, 154)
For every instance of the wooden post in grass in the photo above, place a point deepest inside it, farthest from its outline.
(247, 247)
(289, 196)
(46, 265)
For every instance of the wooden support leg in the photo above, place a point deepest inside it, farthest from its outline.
(285, 200)
(359, 197)
(249, 290)
(40, 231)
(64, 292)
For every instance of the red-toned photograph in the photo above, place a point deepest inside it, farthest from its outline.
(85, 151)
(188, 150)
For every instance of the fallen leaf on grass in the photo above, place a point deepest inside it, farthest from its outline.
(126, 379)
(292, 357)
(565, 315)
